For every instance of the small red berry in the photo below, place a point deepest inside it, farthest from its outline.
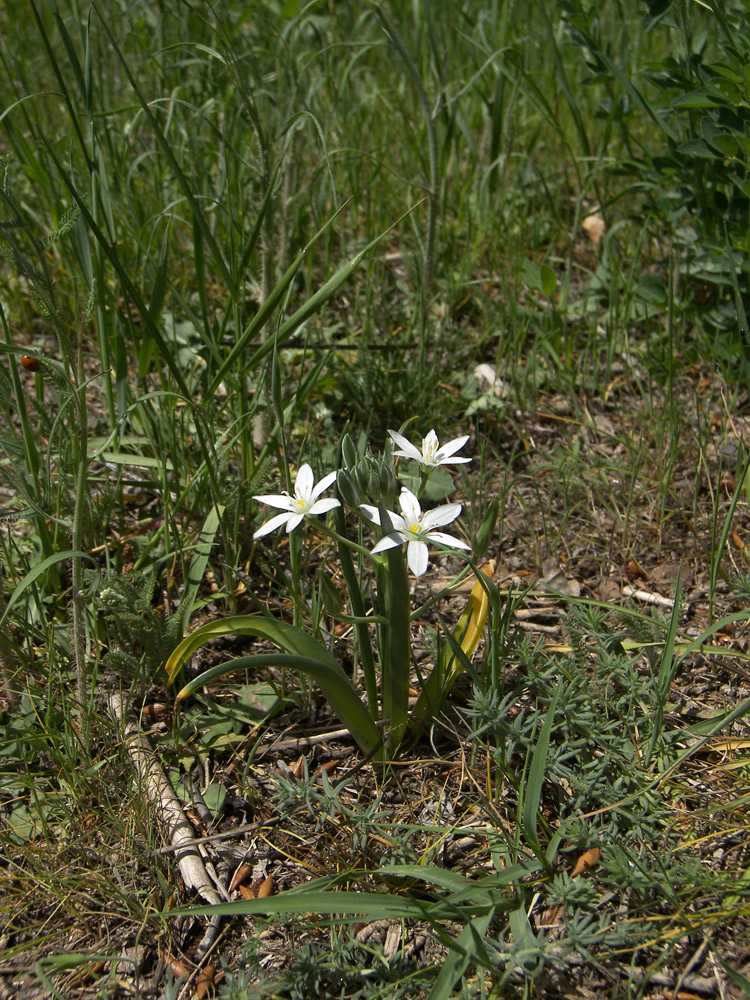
(30, 364)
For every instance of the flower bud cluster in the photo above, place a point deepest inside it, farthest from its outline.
(367, 478)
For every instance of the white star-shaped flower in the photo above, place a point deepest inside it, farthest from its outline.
(431, 455)
(305, 501)
(415, 529)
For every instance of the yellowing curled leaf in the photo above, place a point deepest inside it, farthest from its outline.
(466, 634)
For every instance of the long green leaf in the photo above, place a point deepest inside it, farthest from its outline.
(199, 562)
(359, 617)
(377, 905)
(667, 670)
(466, 949)
(527, 945)
(537, 771)
(33, 575)
(110, 252)
(267, 307)
(313, 304)
(307, 655)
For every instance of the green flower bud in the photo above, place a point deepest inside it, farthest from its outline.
(373, 483)
(348, 488)
(387, 483)
(348, 452)
(486, 530)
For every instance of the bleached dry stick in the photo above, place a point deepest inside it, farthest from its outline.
(160, 793)
(648, 598)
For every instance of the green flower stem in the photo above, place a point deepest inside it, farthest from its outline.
(342, 541)
(356, 599)
(295, 559)
(424, 475)
(396, 650)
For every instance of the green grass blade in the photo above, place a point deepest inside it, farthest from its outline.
(261, 317)
(665, 675)
(122, 274)
(199, 562)
(39, 570)
(179, 176)
(466, 950)
(533, 790)
(313, 304)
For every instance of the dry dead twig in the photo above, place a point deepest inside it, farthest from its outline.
(156, 785)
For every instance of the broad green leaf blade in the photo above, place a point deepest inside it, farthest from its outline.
(376, 905)
(526, 945)
(306, 655)
(549, 280)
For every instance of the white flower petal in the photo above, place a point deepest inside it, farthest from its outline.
(443, 539)
(371, 512)
(440, 515)
(417, 557)
(397, 522)
(410, 507)
(430, 440)
(281, 500)
(431, 455)
(293, 521)
(323, 485)
(388, 542)
(303, 484)
(323, 506)
(271, 525)
(455, 445)
(407, 448)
